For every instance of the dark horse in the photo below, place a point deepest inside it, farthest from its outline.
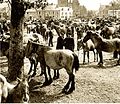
(56, 59)
(107, 45)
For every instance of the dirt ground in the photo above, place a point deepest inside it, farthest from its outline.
(93, 84)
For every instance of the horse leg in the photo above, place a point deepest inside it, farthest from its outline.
(56, 74)
(118, 62)
(45, 74)
(115, 54)
(97, 55)
(31, 65)
(84, 57)
(94, 55)
(72, 78)
(50, 78)
(35, 67)
(88, 56)
(66, 88)
(101, 58)
(42, 69)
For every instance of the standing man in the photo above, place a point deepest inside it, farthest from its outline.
(50, 38)
(69, 43)
(60, 41)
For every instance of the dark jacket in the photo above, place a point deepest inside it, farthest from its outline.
(60, 42)
(69, 43)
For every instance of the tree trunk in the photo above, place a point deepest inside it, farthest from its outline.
(16, 57)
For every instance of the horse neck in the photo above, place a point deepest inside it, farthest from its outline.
(43, 50)
(96, 41)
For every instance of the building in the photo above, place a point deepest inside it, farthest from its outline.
(62, 3)
(103, 10)
(65, 12)
(74, 4)
(50, 11)
(115, 13)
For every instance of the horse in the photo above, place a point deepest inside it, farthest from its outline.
(107, 32)
(107, 45)
(60, 59)
(88, 46)
(4, 51)
(10, 93)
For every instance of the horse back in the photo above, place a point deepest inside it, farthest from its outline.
(110, 45)
(57, 59)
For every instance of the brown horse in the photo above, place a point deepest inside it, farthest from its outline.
(56, 59)
(88, 46)
(107, 32)
(107, 45)
(10, 93)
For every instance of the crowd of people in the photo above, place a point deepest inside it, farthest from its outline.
(65, 29)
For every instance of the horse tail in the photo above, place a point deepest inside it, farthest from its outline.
(76, 62)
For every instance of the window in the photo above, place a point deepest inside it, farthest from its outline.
(62, 16)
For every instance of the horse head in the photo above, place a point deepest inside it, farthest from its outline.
(21, 91)
(87, 36)
(79, 43)
(30, 48)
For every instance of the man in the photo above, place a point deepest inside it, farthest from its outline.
(50, 39)
(69, 43)
(60, 41)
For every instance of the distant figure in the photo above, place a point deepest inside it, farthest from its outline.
(68, 31)
(79, 33)
(69, 43)
(50, 38)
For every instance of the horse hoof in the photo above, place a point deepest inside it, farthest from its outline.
(50, 81)
(100, 64)
(67, 92)
(43, 85)
(64, 91)
(54, 78)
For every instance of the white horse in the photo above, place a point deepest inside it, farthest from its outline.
(5, 87)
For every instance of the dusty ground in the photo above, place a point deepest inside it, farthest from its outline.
(93, 84)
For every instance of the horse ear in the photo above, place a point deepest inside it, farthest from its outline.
(29, 78)
(19, 80)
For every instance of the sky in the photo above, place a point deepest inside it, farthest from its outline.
(89, 4)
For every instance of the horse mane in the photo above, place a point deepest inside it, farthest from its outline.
(45, 48)
(98, 35)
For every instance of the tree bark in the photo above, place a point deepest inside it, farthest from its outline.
(16, 57)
